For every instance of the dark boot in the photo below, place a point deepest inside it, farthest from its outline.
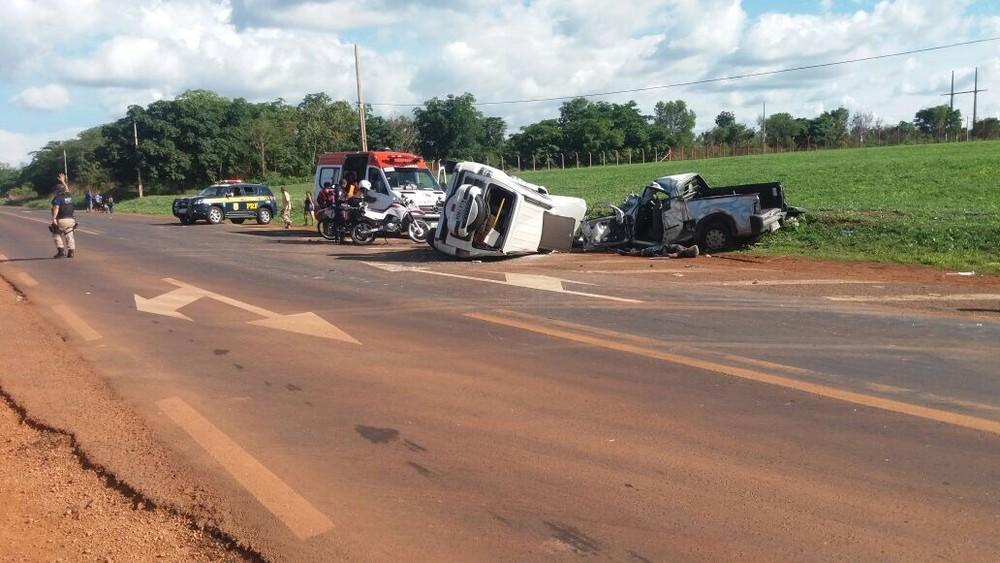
(59, 253)
(69, 253)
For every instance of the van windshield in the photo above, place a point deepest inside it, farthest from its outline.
(411, 178)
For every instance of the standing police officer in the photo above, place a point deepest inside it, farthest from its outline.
(63, 222)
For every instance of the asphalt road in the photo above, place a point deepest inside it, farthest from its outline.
(381, 403)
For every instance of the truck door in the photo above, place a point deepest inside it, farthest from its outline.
(380, 197)
(675, 214)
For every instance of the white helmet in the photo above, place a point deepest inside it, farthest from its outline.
(365, 185)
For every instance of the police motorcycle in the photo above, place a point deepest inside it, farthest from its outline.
(404, 216)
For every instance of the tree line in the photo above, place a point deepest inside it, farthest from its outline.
(200, 137)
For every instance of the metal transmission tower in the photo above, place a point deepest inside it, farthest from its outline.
(975, 95)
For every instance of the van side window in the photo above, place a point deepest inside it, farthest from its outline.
(378, 184)
(328, 174)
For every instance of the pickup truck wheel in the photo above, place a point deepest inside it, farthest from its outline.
(215, 215)
(715, 237)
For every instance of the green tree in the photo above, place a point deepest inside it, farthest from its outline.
(830, 128)
(323, 125)
(988, 128)
(9, 177)
(397, 133)
(586, 127)
(540, 140)
(783, 130)
(939, 121)
(728, 132)
(675, 121)
(449, 128)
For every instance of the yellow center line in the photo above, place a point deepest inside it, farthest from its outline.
(76, 323)
(965, 421)
(301, 517)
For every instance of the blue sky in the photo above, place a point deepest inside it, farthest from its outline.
(113, 53)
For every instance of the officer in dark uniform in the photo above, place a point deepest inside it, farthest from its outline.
(63, 222)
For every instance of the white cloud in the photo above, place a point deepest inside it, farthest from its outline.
(137, 51)
(52, 97)
(15, 148)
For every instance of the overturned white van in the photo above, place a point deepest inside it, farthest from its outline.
(490, 213)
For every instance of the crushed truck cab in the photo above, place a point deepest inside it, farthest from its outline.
(488, 213)
(685, 208)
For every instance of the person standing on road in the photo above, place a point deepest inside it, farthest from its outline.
(63, 222)
(307, 210)
(88, 201)
(286, 208)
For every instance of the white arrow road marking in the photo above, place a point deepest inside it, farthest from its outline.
(530, 281)
(301, 323)
(306, 323)
(168, 303)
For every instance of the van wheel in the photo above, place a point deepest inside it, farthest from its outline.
(215, 215)
(263, 216)
(715, 237)
(238, 221)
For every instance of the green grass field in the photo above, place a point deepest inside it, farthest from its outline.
(931, 204)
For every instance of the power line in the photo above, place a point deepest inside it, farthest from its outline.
(719, 78)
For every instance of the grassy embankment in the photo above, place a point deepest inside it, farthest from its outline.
(932, 204)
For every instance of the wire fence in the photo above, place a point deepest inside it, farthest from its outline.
(626, 157)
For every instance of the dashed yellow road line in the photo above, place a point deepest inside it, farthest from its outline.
(955, 419)
(74, 321)
(301, 517)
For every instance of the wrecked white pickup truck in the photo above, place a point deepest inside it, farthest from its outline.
(488, 213)
(685, 208)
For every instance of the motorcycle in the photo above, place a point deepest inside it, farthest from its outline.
(404, 216)
(357, 224)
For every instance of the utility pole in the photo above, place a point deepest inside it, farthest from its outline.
(763, 125)
(975, 95)
(952, 90)
(138, 172)
(65, 166)
(361, 101)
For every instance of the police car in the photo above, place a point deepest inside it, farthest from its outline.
(232, 199)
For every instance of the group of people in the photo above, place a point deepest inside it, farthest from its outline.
(99, 201)
(330, 195)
